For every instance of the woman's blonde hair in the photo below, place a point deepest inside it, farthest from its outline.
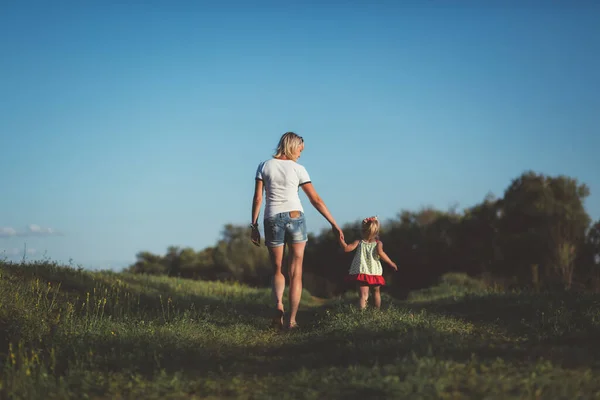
(370, 228)
(288, 144)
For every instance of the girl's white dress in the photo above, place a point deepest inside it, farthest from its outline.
(366, 266)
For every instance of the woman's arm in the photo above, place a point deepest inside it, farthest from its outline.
(319, 204)
(384, 256)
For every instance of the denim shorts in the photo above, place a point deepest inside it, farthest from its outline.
(281, 229)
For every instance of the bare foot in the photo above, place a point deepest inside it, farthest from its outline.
(292, 326)
(277, 321)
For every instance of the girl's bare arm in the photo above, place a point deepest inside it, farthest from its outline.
(348, 247)
(385, 257)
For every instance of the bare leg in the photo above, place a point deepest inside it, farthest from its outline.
(295, 272)
(363, 296)
(377, 296)
(278, 281)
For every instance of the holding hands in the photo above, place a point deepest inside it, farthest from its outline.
(338, 232)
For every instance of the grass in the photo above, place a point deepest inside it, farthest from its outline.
(67, 333)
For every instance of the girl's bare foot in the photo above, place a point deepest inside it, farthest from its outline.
(292, 326)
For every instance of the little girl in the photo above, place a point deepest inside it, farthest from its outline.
(366, 269)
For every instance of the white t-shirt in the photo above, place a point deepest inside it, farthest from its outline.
(282, 180)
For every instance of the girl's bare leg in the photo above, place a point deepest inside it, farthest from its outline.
(363, 296)
(295, 271)
(377, 296)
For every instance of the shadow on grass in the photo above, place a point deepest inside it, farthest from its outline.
(363, 347)
(318, 348)
(560, 318)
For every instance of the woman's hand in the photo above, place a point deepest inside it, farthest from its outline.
(338, 232)
(255, 236)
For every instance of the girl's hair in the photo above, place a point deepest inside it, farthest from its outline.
(288, 143)
(370, 228)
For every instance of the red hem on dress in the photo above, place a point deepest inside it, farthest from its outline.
(372, 280)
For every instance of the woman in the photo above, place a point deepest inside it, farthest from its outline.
(281, 177)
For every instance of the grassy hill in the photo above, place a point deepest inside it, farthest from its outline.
(67, 333)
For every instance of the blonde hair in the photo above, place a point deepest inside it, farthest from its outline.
(288, 144)
(370, 228)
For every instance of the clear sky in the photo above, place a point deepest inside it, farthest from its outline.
(129, 126)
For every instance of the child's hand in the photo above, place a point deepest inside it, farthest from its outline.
(395, 267)
(348, 247)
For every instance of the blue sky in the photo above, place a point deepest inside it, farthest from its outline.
(129, 127)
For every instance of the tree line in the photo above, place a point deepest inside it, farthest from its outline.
(538, 235)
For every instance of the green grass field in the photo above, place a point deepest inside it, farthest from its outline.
(67, 333)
